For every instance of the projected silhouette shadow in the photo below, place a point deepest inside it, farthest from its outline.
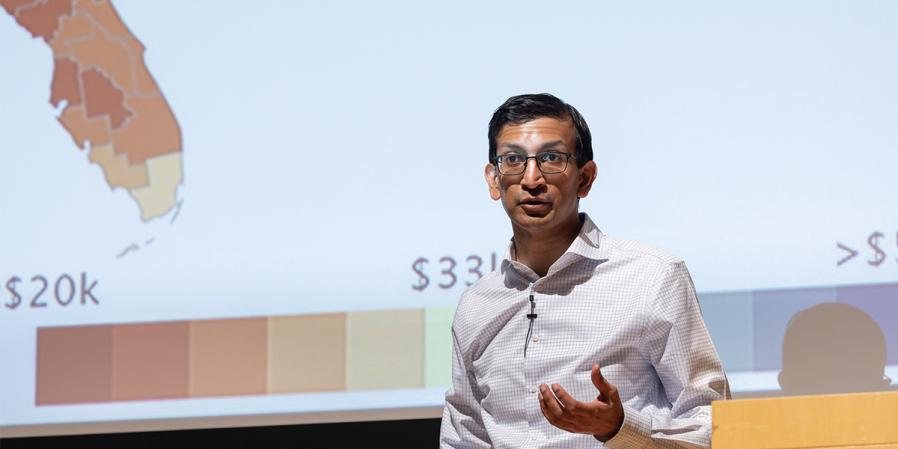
(833, 348)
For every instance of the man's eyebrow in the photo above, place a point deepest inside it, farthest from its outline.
(543, 147)
(514, 147)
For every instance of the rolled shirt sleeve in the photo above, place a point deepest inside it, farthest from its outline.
(679, 347)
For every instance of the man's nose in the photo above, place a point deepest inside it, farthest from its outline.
(533, 176)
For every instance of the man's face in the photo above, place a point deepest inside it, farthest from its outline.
(538, 202)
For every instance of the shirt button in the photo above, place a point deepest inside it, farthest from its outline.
(533, 389)
(535, 338)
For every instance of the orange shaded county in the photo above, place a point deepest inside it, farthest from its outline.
(111, 101)
(103, 13)
(110, 55)
(71, 29)
(84, 130)
(154, 132)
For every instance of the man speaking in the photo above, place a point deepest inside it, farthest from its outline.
(579, 339)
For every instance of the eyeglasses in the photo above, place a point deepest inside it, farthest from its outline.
(548, 162)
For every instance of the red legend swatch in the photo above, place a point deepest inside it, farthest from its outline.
(74, 364)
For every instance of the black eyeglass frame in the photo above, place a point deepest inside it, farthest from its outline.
(497, 161)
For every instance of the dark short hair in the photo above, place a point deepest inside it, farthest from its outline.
(524, 108)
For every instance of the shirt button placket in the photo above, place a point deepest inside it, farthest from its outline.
(532, 384)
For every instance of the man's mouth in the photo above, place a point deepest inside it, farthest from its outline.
(535, 206)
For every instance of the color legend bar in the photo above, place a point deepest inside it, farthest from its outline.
(244, 356)
(371, 350)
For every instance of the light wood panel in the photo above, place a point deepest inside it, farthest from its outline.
(860, 420)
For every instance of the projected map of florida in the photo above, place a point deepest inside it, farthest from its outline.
(109, 102)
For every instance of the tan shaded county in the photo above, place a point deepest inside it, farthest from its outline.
(82, 130)
(103, 98)
(152, 132)
(160, 196)
(110, 56)
(65, 83)
(70, 28)
(42, 19)
(116, 169)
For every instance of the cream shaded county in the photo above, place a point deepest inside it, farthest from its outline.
(160, 196)
(65, 84)
(110, 56)
(71, 28)
(103, 98)
(82, 129)
(42, 19)
(152, 132)
(117, 170)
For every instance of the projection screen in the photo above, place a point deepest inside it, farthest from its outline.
(251, 213)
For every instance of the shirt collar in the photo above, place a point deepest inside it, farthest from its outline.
(586, 245)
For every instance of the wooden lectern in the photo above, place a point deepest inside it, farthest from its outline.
(844, 421)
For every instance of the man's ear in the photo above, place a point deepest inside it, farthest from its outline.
(492, 180)
(588, 173)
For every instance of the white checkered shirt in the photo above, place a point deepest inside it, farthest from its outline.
(626, 306)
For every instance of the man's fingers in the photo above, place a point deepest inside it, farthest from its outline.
(566, 400)
(615, 397)
(542, 408)
(552, 410)
(552, 406)
(596, 376)
(554, 420)
(608, 392)
(599, 381)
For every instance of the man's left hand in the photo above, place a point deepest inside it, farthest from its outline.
(602, 417)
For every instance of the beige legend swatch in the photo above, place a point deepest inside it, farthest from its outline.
(307, 353)
(385, 349)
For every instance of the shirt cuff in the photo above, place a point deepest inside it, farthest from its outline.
(634, 432)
